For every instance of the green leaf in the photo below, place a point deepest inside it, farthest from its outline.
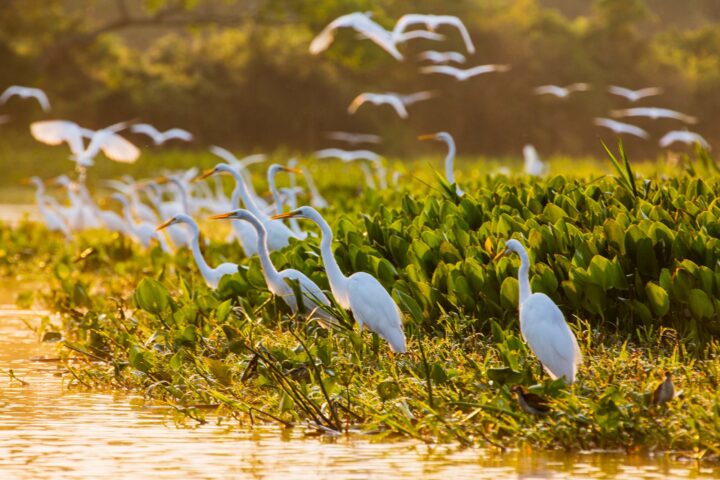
(700, 304)
(220, 371)
(151, 296)
(509, 293)
(388, 390)
(658, 298)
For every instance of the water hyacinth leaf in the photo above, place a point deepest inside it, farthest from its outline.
(151, 296)
(700, 304)
(223, 310)
(388, 390)
(509, 293)
(220, 371)
(658, 298)
(504, 375)
(140, 359)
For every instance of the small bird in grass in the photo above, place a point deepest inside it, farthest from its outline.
(665, 391)
(531, 403)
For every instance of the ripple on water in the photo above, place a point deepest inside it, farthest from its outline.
(47, 431)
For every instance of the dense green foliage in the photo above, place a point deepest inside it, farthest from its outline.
(633, 265)
(239, 74)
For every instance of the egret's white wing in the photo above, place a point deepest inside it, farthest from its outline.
(457, 23)
(550, 338)
(444, 69)
(415, 34)
(620, 127)
(147, 129)
(224, 154)
(373, 306)
(551, 90)
(621, 91)
(411, 98)
(178, 133)
(55, 132)
(9, 92)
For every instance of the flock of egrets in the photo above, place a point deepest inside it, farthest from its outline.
(163, 210)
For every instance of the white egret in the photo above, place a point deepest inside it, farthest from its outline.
(361, 293)
(211, 275)
(348, 155)
(314, 299)
(397, 101)
(683, 136)
(361, 23)
(277, 232)
(279, 203)
(180, 204)
(159, 137)
(533, 165)
(543, 325)
(621, 127)
(432, 22)
(26, 92)
(449, 159)
(241, 165)
(654, 113)
(79, 215)
(54, 221)
(561, 92)
(464, 74)
(634, 95)
(368, 174)
(354, 138)
(129, 188)
(55, 132)
(442, 57)
(143, 232)
(290, 198)
(316, 199)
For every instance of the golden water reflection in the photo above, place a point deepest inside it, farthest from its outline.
(47, 431)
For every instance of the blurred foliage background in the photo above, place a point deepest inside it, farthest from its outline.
(238, 72)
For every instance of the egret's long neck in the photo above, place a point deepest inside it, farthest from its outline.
(338, 281)
(274, 191)
(241, 191)
(523, 276)
(182, 193)
(128, 218)
(368, 175)
(202, 264)
(450, 161)
(314, 192)
(272, 276)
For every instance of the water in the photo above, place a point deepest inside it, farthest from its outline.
(49, 431)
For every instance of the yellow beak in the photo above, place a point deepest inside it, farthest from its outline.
(502, 252)
(162, 180)
(283, 215)
(429, 136)
(204, 175)
(165, 225)
(221, 216)
(291, 170)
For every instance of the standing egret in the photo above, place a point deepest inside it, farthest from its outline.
(143, 232)
(278, 233)
(534, 166)
(277, 198)
(313, 297)
(449, 160)
(543, 325)
(211, 275)
(53, 220)
(361, 293)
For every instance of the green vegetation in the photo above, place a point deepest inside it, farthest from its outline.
(632, 262)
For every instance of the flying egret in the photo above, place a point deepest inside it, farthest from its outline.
(53, 220)
(654, 113)
(159, 137)
(361, 293)
(665, 391)
(353, 138)
(464, 74)
(449, 159)
(211, 275)
(142, 231)
(543, 325)
(55, 132)
(432, 22)
(278, 234)
(26, 92)
(634, 95)
(442, 57)
(313, 299)
(683, 136)
(561, 92)
(348, 155)
(363, 24)
(620, 127)
(533, 165)
(398, 102)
